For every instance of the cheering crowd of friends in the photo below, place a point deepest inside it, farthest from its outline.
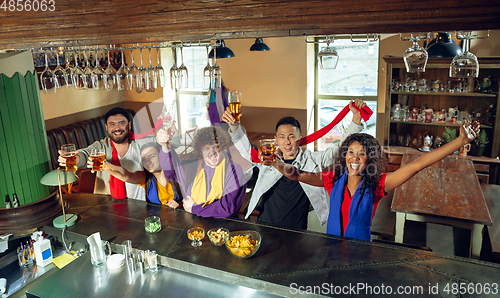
(210, 183)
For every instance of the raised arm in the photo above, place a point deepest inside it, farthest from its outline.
(326, 158)
(292, 173)
(401, 175)
(238, 137)
(138, 177)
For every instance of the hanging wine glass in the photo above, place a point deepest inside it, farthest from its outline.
(160, 72)
(142, 72)
(183, 73)
(59, 73)
(328, 58)
(216, 72)
(415, 57)
(68, 70)
(174, 70)
(207, 71)
(79, 79)
(121, 75)
(87, 72)
(150, 78)
(133, 75)
(111, 77)
(465, 65)
(47, 78)
(98, 75)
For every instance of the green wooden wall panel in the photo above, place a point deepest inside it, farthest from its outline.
(27, 175)
(7, 134)
(32, 149)
(37, 115)
(19, 170)
(4, 180)
(32, 146)
(40, 134)
(35, 106)
(24, 156)
(35, 152)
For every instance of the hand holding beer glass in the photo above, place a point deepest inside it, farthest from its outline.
(266, 152)
(68, 151)
(234, 101)
(97, 157)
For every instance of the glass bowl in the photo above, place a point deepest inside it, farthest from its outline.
(198, 233)
(243, 252)
(215, 236)
(152, 224)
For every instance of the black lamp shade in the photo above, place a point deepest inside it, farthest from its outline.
(443, 46)
(222, 51)
(259, 45)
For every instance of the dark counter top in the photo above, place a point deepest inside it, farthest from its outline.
(286, 259)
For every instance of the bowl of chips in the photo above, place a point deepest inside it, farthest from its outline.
(243, 244)
(195, 235)
(218, 236)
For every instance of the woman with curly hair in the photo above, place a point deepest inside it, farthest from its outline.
(359, 181)
(214, 185)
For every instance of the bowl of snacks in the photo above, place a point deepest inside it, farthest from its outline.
(195, 235)
(243, 244)
(152, 224)
(218, 236)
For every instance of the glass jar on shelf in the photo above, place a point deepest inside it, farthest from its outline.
(396, 112)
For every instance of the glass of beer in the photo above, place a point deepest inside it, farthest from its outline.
(97, 156)
(235, 104)
(69, 153)
(266, 152)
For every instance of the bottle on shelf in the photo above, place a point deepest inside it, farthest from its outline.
(101, 61)
(15, 201)
(7, 202)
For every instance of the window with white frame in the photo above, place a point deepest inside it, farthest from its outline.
(193, 99)
(356, 76)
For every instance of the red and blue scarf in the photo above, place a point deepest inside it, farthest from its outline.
(360, 211)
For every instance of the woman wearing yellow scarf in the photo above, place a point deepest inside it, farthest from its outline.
(213, 185)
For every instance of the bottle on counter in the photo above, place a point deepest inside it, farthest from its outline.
(7, 202)
(15, 201)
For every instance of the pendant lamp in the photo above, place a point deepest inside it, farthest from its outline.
(259, 46)
(222, 51)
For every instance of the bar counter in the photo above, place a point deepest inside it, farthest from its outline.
(287, 259)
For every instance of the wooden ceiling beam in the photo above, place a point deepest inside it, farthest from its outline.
(75, 22)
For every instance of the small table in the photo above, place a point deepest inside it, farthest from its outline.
(446, 192)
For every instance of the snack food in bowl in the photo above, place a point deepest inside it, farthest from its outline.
(152, 224)
(218, 236)
(243, 244)
(196, 234)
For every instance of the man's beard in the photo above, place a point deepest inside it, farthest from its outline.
(121, 139)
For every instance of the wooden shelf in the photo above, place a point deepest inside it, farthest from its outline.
(438, 69)
(440, 123)
(472, 94)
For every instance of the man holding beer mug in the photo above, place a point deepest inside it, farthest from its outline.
(118, 149)
(280, 200)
